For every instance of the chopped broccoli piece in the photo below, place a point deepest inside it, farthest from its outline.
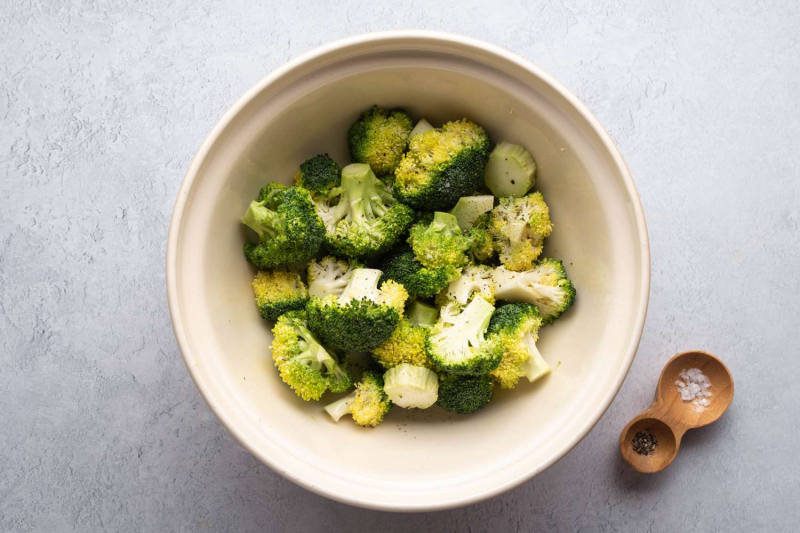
(379, 138)
(330, 275)
(406, 344)
(411, 386)
(278, 293)
(458, 344)
(442, 166)
(319, 174)
(469, 208)
(511, 171)
(482, 248)
(288, 227)
(361, 217)
(402, 267)
(362, 317)
(517, 325)
(421, 127)
(422, 314)
(304, 364)
(464, 394)
(519, 227)
(440, 243)
(546, 285)
(368, 403)
(474, 280)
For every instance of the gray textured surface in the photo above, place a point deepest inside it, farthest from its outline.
(104, 103)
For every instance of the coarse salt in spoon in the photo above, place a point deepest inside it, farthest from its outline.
(694, 390)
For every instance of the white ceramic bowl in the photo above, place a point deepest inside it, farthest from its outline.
(430, 459)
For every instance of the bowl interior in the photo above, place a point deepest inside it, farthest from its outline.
(415, 459)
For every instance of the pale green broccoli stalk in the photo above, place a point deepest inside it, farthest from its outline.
(469, 208)
(418, 280)
(511, 171)
(422, 314)
(474, 280)
(439, 243)
(319, 174)
(517, 326)
(279, 292)
(458, 344)
(519, 227)
(368, 404)
(361, 217)
(362, 317)
(379, 137)
(464, 394)
(288, 227)
(303, 362)
(411, 386)
(546, 285)
(442, 166)
(330, 275)
(421, 127)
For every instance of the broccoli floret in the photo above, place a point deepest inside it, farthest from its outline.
(368, 403)
(330, 275)
(458, 343)
(379, 137)
(474, 280)
(362, 317)
(319, 174)
(422, 314)
(411, 386)
(519, 227)
(482, 248)
(406, 344)
(464, 394)
(510, 171)
(288, 227)
(517, 326)
(278, 293)
(439, 243)
(402, 267)
(361, 217)
(442, 166)
(304, 364)
(546, 285)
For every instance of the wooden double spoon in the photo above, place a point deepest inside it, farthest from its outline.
(669, 417)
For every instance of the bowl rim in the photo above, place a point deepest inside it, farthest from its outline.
(388, 36)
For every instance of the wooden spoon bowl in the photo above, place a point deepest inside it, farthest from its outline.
(669, 417)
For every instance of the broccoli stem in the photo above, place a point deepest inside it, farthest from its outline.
(363, 285)
(421, 127)
(422, 314)
(261, 220)
(445, 223)
(341, 407)
(470, 208)
(535, 366)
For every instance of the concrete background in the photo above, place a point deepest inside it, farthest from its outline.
(104, 103)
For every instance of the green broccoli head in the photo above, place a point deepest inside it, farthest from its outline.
(546, 285)
(361, 217)
(319, 174)
(279, 292)
(519, 227)
(474, 280)
(379, 137)
(288, 227)
(442, 166)
(406, 344)
(330, 275)
(303, 362)
(464, 394)
(362, 317)
(517, 326)
(458, 343)
(402, 267)
(368, 404)
(482, 246)
(439, 243)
